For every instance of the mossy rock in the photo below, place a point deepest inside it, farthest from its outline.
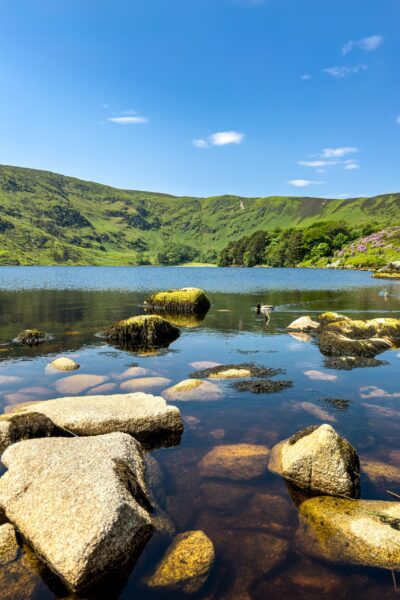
(330, 317)
(359, 532)
(358, 329)
(144, 331)
(386, 275)
(336, 344)
(348, 363)
(30, 337)
(183, 301)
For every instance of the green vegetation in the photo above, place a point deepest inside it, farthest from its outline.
(184, 300)
(51, 219)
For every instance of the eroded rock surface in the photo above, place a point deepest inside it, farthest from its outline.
(318, 459)
(80, 503)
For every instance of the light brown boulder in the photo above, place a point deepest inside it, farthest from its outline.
(63, 363)
(80, 503)
(238, 462)
(303, 324)
(319, 460)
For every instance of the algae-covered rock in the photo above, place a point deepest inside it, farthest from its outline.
(262, 386)
(238, 462)
(303, 324)
(318, 459)
(186, 565)
(63, 363)
(362, 330)
(359, 532)
(330, 317)
(30, 337)
(348, 363)
(80, 503)
(142, 332)
(8, 544)
(336, 344)
(184, 300)
(148, 418)
(235, 371)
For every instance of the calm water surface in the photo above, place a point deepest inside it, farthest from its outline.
(74, 303)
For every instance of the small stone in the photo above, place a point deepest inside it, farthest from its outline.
(239, 462)
(8, 544)
(193, 390)
(144, 383)
(63, 363)
(186, 565)
(319, 460)
(76, 384)
(304, 324)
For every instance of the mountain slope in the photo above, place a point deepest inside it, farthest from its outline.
(48, 218)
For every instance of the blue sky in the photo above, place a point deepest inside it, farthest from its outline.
(205, 97)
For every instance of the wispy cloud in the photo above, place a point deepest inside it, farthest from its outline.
(367, 44)
(317, 163)
(300, 183)
(305, 77)
(220, 138)
(341, 72)
(338, 152)
(128, 120)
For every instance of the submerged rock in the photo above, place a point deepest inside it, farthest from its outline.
(142, 332)
(30, 337)
(379, 472)
(8, 544)
(76, 384)
(80, 503)
(186, 565)
(148, 418)
(359, 532)
(63, 363)
(144, 383)
(304, 324)
(191, 390)
(235, 371)
(336, 344)
(347, 363)
(184, 300)
(262, 386)
(239, 462)
(318, 459)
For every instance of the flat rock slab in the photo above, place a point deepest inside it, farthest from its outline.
(140, 415)
(144, 383)
(186, 564)
(238, 462)
(359, 532)
(80, 503)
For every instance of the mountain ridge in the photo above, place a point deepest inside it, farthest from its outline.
(47, 218)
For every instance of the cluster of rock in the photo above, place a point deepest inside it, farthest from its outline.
(390, 271)
(354, 339)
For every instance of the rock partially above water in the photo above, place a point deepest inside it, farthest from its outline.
(186, 564)
(359, 532)
(303, 324)
(142, 415)
(80, 503)
(63, 363)
(143, 331)
(319, 460)
(239, 462)
(193, 389)
(30, 337)
(336, 344)
(184, 300)
(235, 371)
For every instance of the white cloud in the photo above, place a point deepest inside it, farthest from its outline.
(341, 72)
(303, 182)
(220, 138)
(398, 120)
(317, 163)
(367, 44)
(305, 77)
(338, 152)
(351, 165)
(128, 120)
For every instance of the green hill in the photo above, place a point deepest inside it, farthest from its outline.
(48, 219)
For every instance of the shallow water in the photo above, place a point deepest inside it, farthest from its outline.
(74, 303)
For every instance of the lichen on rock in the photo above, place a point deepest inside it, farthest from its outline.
(184, 300)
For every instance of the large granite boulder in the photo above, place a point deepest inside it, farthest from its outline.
(143, 331)
(80, 503)
(319, 460)
(184, 300)
(148, 418)
(186, 564)
(360, 532)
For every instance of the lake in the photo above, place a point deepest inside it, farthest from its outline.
(73, 304)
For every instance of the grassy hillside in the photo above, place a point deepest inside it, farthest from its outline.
(48, 218)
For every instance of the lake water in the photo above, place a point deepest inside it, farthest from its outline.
(73, 304)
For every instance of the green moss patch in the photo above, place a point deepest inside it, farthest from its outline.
(185, 300)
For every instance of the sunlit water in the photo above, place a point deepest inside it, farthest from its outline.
(74, 304)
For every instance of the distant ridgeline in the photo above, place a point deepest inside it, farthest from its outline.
(49, 219)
